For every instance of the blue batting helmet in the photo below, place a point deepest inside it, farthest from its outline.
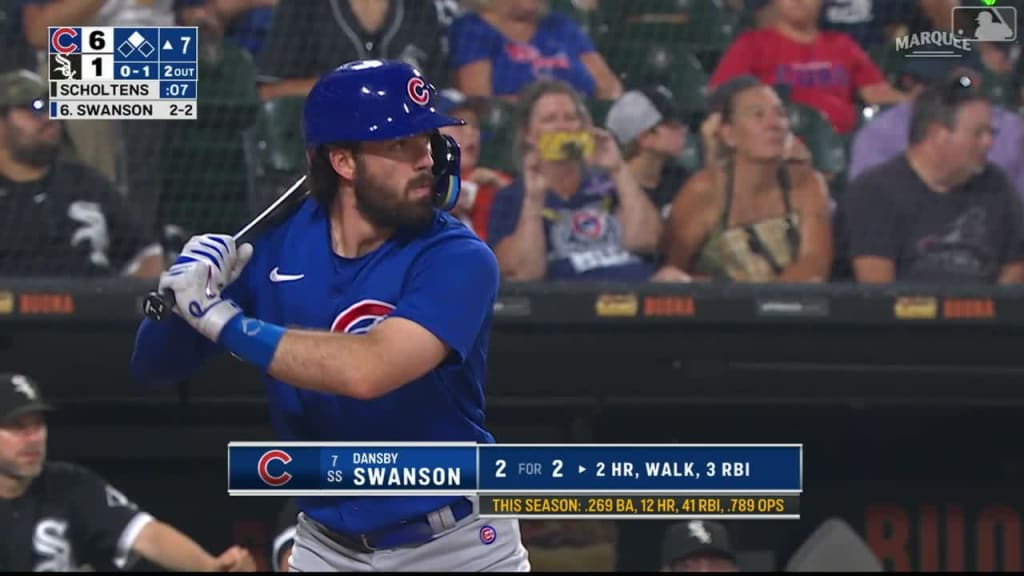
(369, 100)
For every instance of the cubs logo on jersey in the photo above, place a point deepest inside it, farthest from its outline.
(360, 317)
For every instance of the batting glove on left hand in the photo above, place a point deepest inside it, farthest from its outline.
(219, 251)
(207, 265)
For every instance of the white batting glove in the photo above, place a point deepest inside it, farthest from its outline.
(207, 265)
(220, 252)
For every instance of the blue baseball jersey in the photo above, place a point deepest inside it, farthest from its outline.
(444, 279)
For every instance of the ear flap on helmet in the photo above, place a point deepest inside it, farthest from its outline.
(447, 180)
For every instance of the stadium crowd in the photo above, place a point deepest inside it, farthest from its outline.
(634, 140)
(750, 141)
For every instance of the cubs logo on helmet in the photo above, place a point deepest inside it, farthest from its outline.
(418, 91)
(360, 317)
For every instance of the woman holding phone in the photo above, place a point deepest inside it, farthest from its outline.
(575, 212)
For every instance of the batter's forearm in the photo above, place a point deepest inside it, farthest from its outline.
(523, 256)
(328, 362)
(167, 352)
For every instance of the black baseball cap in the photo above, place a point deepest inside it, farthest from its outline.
(693, 537)
(19, 395)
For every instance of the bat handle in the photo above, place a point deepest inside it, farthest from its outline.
(157, 305)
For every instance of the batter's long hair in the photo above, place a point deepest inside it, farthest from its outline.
(323, 180)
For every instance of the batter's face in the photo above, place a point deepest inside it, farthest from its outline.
(23, 446)
(394, 182)
(30, 137)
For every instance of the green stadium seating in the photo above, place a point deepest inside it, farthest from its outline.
(205, 179)
(640, 64)
(828, 148)
(274, 149)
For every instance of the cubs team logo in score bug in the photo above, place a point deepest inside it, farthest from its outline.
(360, 317)
(275, 475)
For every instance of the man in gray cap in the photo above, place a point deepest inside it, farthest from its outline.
(648, 126)
(59, 218)
(59, 517)
(887, 135)
(697, 546)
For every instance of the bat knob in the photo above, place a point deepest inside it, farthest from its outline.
(157, 306)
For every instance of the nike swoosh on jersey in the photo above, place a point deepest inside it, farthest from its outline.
(276, 276)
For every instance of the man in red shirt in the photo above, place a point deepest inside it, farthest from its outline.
(824, 70)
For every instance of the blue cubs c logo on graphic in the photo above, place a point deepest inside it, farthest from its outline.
(360, 317)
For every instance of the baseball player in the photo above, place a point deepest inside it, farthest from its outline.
(369, 309)
(61, 517)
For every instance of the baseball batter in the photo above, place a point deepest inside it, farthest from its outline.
(369, 309)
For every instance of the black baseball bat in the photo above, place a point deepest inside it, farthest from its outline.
(157, 305)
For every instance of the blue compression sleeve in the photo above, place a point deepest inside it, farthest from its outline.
(252, 340)
(167, 352)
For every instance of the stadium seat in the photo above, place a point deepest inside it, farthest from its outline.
(828, 148)
(274, 149)
(642, 63)
(498, 134)
(702, 27)
(1002, 89)
(205, 173)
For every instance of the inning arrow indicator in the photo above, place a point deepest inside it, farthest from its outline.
(582, 469)
(167, 45)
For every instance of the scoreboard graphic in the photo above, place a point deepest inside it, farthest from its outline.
(123, 73)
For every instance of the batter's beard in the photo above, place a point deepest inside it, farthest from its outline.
(386, 210)
(39, 155)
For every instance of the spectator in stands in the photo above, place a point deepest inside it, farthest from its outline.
(246, 23)
(59, 218)
(128, 153)
(697, 546)
(649, 128)
(479, 183)
(307, 39)
(573, 213)
(823, 70)
(62, 517)
(871, 23)
(939, 212)
(756, 217)
(15, 51)
(508, 44)
(887, 134)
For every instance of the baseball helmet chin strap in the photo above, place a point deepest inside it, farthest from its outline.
(447, 162)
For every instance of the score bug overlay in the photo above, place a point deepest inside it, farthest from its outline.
(537, 480)
(123, 73)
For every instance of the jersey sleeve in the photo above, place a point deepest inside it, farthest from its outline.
(471, 39)
(284, 535)
(451, 292)
(737, 60)
(106, 523)
(864, 72)
(577, 41)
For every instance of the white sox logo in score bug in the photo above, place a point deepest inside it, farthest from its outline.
(263, 468)
(417, 89)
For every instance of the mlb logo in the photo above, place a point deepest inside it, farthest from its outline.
(985, 23)
(65, 40)
(65, 67)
